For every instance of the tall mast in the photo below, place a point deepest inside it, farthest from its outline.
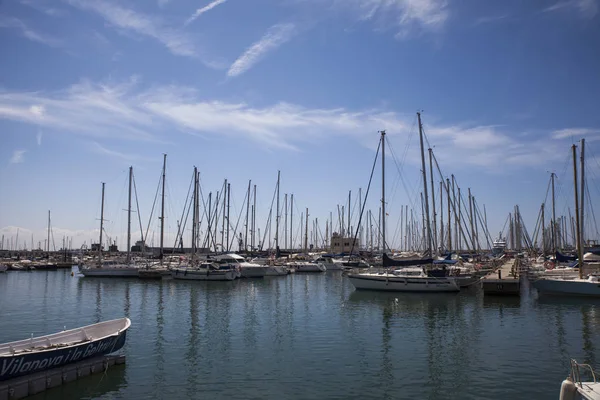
(553, 224)
(209, 227)
(277, 215)
(48, 250)
(292, 221)
(224, 197)
(582, 193)
(543, 232)
(433, 213)
(349, 231)
(162, 212)
(228, 207)
(382, 210)
(306, 233)
(129, 217)
(285, 225)
(427, 221)
(195, 212)
(441, 242)
(471, 221)
(577, 221)
(247, 211)
(101, 227)
(449, 216)
(254, 218)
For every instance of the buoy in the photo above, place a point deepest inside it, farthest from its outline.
(72, 274)
(568, 390)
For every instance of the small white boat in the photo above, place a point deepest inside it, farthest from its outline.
(204, 272)
(247, 270)
(111, 269)
(573, 388)
(306, 266)
(402, 281)
(571, 287)
(330, 263)
(3, 268)
(44, 352)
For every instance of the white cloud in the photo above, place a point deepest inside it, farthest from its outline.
(129, 158)
(587, 8)
(204, 9)
(42, 7)
(275, 37)
(123, 111)
(27, 32)
(18, 157)
(38, 138)
(490, 19)
(175, 40)
(574, 133)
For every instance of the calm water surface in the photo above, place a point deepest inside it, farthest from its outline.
(307, 337)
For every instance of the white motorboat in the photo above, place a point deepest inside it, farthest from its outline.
(306, 266)
(569, 286)
(330, 263)
(204, 272)
(247, 269)
(41, 353)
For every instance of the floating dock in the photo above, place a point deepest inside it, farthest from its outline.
(29, 385)
(504, 281)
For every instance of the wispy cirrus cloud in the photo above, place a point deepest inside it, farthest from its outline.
(38, 138)
(202, 10)
(587, 9)
(41, 6)
(123, 111)
(574, 133)
(128, 157)
(18, 156)
(27, 32)
(489, 19)
(275, 37)
(175, 40)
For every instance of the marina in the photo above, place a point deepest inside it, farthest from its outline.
(190, 336)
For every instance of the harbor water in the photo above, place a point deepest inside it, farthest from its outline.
(307, 336)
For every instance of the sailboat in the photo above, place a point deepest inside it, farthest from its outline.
(113, 268)
(201, 270)
(579, 286)
(401, 280)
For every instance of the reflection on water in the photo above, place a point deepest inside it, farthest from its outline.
(308, 336)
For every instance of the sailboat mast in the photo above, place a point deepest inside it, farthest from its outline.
(577, 221)
(382, 210)
(441, 242)
(254, 219)
(433, 212)
(277, 215)
(129, 217)
(427, 221)
(247, 211)
(228, 208)
(449, 216)
(582, 193)
(48, 250)
(543, 232)
(471, 221)
(349, 230)
(553, 224)
(285, 224)
(292, 221)
(306, 233)
(101, 226)
(162, 211)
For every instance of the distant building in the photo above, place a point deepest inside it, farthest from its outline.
(342, 244)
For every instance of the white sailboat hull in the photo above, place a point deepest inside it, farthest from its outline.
(572, 287)
(111, 272)
(388, 282)
(203, 274)
(276, 270)
(308, 267)
(257, 271)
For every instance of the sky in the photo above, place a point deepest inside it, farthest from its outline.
(243, 89)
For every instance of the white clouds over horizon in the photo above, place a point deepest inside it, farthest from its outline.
(18, 156)
(124, 111)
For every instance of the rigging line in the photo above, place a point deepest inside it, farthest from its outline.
(548, 190)
(592, 210)
(153, 205)
(366, 196)
(137, 204)
(238, 220)
(181, 222)
(268, 226)
(399, 167)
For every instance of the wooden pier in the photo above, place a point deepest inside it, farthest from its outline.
(504, 281)
(38, 382)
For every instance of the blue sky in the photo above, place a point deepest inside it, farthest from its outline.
(242, 89)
